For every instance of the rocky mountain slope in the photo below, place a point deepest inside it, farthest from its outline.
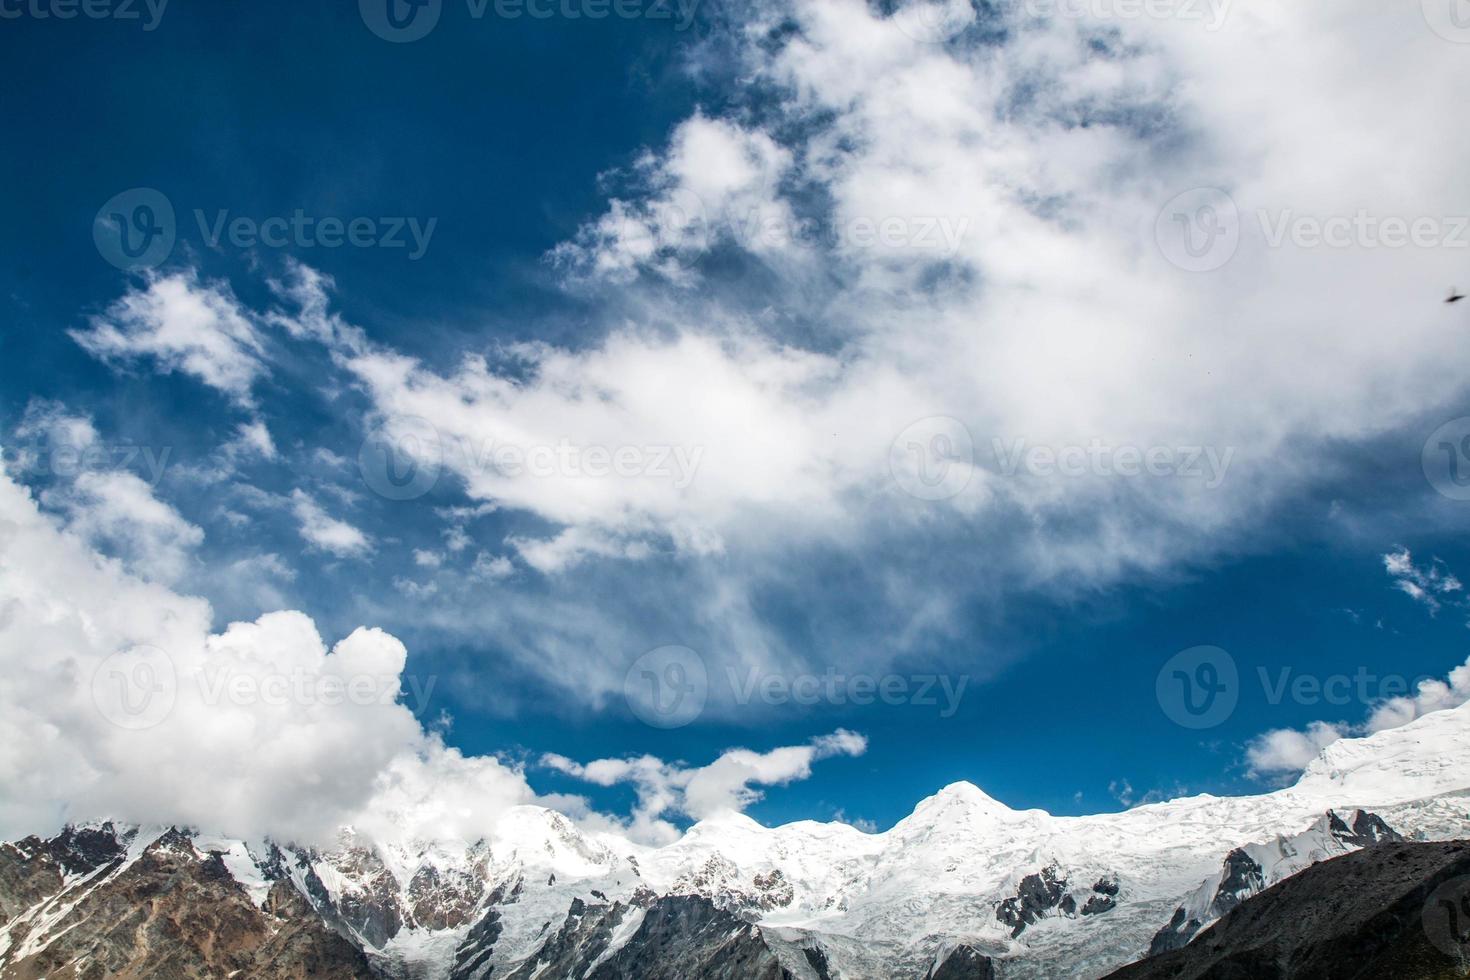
(963, 887)
(1397, 911)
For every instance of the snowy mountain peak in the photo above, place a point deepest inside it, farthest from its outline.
(1046, 896)
(966, 794)
(1423, 758)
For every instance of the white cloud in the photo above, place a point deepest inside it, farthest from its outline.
(182, 325)
(1286, 752)
(1055, 318)
(717, 181)
(492, 567)
(119, 513)
(1059, 320)
(53, 425)
(158, 735)
(118, 700)
(325, 532)
(1432, 695)
(254, 438)
(114, 510)
(1428, 585)
(727, 785)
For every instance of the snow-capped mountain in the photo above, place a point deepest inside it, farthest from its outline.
(965, 886)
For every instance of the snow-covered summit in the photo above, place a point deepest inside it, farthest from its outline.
(1048, 895)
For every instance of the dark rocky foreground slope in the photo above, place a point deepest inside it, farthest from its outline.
(1397, 911)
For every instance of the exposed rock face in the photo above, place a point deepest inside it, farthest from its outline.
(723, 883)
(173, 912)
(1360, 915)
(580, 942)
(1365, 831)
(1037, 895)
(684, 936)
(473, 956)
(1250, 870)
(964, 963)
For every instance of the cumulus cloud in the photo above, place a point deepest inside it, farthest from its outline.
(117, 699)
(182, 324)
(1287, 752)
(727, 785)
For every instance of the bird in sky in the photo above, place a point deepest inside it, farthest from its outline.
(1455, 295)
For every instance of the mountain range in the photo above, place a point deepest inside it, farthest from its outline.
(964, 887)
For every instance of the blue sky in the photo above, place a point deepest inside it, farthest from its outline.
(797, 548)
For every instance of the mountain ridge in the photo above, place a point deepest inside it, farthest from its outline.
(1025, 893)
